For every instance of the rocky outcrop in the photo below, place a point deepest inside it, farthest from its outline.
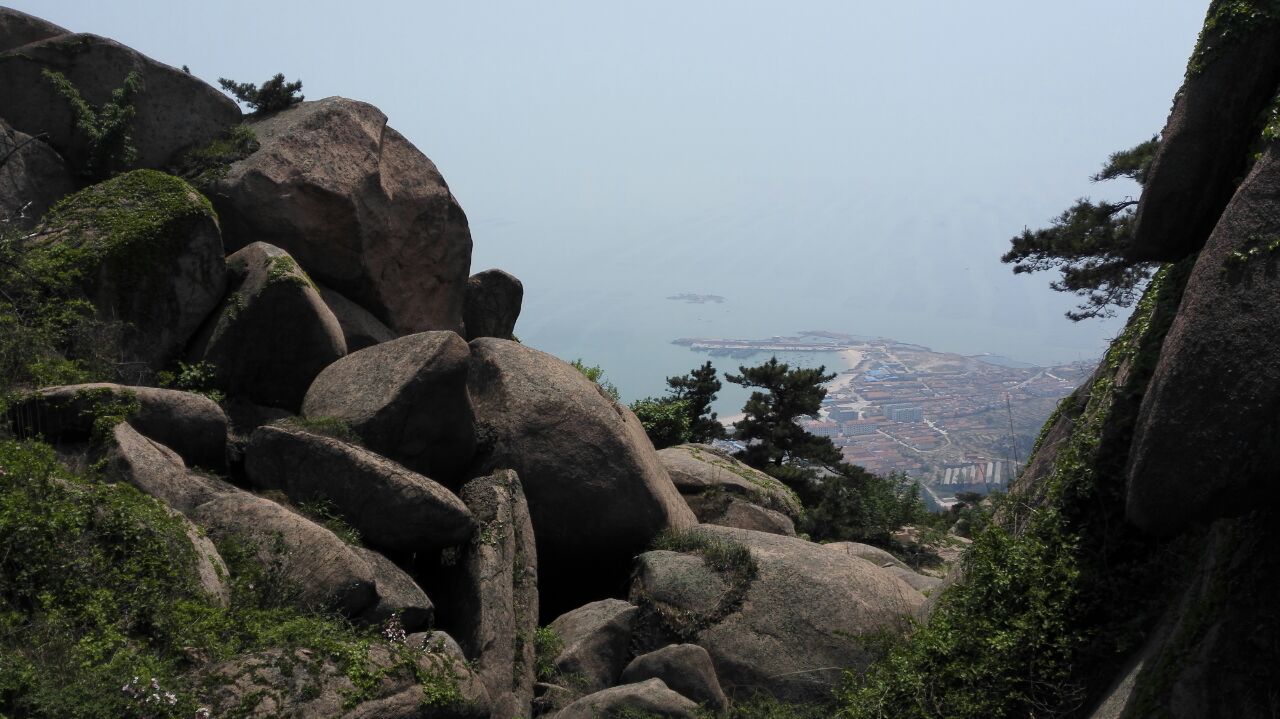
(398, 595)
(360, 328)
(788, 627)
(307, 683)
(308, 565)
(360, 207)
(727, 510)
(1205, 145)
(211, 572)
(494, 592)
(698, 469)
(18, 29)
(596, 643)
(158, 471)
(175, 111)
(492, 304)
(32, 177)
(192, 425)
(1203, 442)
(685, 669)
(391, 506)
(596, 490)
(146, 250)
(405, 399)
(272, 334)
(650, 698)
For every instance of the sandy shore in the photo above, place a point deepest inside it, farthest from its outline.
(852, 358)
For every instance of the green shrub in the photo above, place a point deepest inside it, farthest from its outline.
(547, 645)
(665, 420)
(203, 166)
(275, 94)
(855, 505)
(595, 374)
(199, 378)
(107, 129)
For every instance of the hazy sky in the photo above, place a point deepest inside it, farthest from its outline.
(853, 165)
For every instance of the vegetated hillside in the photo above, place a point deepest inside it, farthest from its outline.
(1132, 571)
(268, 449)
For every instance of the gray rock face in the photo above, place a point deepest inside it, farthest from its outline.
(700, 468)
(174, 112)
(596, 490)
(495, 594)
(727, 510)
(360, 207)
(685, 669)
(192, 425)
(159, 471)
(18, 29)
(784, 631)
(1209, 414)
(492, 304)
(211, 571)
(306, 683)
(32, 178)
(397, 594)
(406, 399)
(316, 568)
(597, 643)
(1205, 145)
(272, 334)
(359, 327)
(158, 274)
(392, 507)
(650, 698)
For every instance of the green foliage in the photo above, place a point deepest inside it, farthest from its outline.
(769, 427)
(275, 94)
(108, 129)
(1088, 241)
(855, 505)
(698, 390)
(1036, 626)
(664, 419)
(284, 269)
(203, 166)
(199, 378)
(1228, 22)
(721, 555)
(547, 645)
(323, 512)
(595, 374)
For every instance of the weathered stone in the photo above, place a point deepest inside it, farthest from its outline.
(728, 510)
(18, 29)
(1205, 145)
(597, 644)
(272, 333)
(158, 471)
(875, 555)
(398, 594)
(391, 506)
(307, 683)
(789, 631)
(174, 111)
(359, 327)
(360, 207)
(492, 304)
(211, 571)
(406, 399)
(192, 425)
(315, 567)
(596, 490)
(651, 698)
(493, 592)
(700, 468)
(32, 177)
(1204, 441)
(685, 669)
(438, 642)
(146, 250)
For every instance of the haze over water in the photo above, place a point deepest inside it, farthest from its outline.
(851, 166)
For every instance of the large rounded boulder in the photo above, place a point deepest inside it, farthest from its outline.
(1210, 411)
(146, 250)
(18, 29)
(778, 615)
(405, 399)
(492, 304)
(174, 111)
(698, 469)
(597, 492)
(272, 334)
(360, 207)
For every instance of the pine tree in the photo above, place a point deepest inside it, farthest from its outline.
(775, 442)
(698, 390)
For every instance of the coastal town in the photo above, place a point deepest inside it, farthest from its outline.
(955, 423)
